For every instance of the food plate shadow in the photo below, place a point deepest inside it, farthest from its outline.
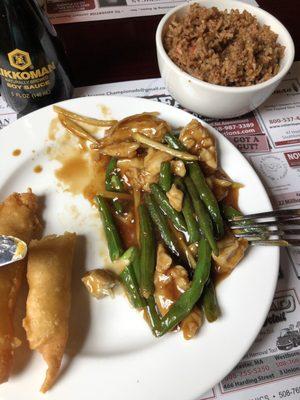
(80, 316)
(22, 353)
(41, 207)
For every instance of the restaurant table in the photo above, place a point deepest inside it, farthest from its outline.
(124, 49)
(119, 50)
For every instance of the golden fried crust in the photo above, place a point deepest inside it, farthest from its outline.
(49, 299)
(52, 353)
(17, 218)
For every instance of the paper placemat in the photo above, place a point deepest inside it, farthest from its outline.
(269, 138)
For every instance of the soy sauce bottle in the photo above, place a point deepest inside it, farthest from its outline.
(32, 61)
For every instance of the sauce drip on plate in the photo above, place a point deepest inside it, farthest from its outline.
(81, 170)
(38, 169)
(16, 152)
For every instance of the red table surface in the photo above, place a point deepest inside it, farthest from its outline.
(124, 49)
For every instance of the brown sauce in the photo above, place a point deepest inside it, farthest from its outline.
(218, 277)
(104, 110)
(127, 233)
(81, 171)
(38, 169)
(16, 152)
(232, 198)
(171, 292)
(74, 173)
(127, 229)
(167, 291)
(96, 181)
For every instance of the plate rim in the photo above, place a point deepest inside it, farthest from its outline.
(219, 136)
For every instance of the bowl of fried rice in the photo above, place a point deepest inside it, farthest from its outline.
(222, 58)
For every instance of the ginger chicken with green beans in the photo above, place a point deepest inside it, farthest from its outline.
(164, 203)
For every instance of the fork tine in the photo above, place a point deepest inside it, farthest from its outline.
(267, 233)
(262, 224)
(281, 243)
(275, 242)
(280, 214)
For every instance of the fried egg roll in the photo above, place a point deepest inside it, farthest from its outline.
(49, 299)
(18, 217)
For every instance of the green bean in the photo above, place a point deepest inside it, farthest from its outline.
(113, 181)
(165, 176)
(114, 243)
(174, 239)
(202, 215)
(207, 196)
(129, 255)
(210, 302)
(183, 249)
(116, 182)
(153, 316)
(118, 206)
(129, 280)
(175, 216)
(116, 251)
(109, 171)
(189, 298)
(160, 223)
(174, 142)
(188, 213)
(148, 255)
(137, 266)
(230, 212)
(187, 208)
(203, 189)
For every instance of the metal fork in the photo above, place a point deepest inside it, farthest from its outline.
(272, 228)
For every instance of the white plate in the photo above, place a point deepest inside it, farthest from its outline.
(117, 357)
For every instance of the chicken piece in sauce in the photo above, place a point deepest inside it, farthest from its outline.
(163, 260)
(139, 172)
(99, 282)
(122, 149)
(154, 159)
(175, 197)
(232, 250)
(192, 323)
(200, 142)
(178, 168)
(219, 184)
(147, 124)
(169, 285)
(170, 282)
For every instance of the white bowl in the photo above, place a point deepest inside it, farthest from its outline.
(214, 100)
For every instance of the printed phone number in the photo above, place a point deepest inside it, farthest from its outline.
(233, 127)
(284, 120)
(281, 394)
(289, 392)
(247, 372)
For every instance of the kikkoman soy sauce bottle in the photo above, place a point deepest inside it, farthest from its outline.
(32, 60)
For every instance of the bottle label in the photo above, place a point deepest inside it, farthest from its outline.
(23, 80)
